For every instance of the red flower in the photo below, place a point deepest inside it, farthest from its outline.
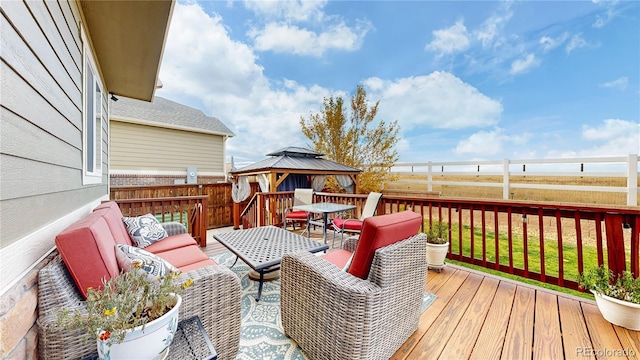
(105, 335)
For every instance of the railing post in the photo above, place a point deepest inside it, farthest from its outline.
(615, 243)
(632, 180)
(260, 212)
(505, 179)
(204, 216)
(429, 176)
(236, 215)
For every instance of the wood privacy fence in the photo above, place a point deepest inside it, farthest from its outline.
(544, 242)
(219, 205)
(613, 179)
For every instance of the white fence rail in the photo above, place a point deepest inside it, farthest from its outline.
(610, 167)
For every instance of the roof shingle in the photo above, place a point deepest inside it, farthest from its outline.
(167, 112)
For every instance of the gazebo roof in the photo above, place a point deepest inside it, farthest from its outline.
(298, 160)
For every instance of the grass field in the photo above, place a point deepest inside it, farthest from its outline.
(417, 182)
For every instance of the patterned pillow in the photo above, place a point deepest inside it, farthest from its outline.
(144, 230)
(149, 262)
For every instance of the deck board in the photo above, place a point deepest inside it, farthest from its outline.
(438, 335)
(574, 331)
(547, 338)
(482, 316)
(462, 342)
(519, 340)
(494, 330)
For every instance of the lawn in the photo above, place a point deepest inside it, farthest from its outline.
(551, 256)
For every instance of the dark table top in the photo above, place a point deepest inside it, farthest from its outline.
(263, 247)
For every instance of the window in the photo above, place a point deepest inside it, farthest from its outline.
(92, 119)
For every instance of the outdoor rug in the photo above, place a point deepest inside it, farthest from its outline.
(261, 333)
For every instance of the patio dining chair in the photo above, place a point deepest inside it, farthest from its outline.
(354, 225)
(300, 197)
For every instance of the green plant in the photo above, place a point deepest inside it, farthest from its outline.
(438, 233)
(131, 299)
(623, 287)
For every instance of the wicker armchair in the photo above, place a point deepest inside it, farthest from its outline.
(214, 297)
(332, 314)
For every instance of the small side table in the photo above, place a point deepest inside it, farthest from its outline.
(192, 342)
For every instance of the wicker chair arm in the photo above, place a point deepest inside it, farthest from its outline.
(174, 227)
(350, 243)
(215, 298)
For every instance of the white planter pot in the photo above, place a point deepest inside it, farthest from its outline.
(436, 253)
(151, 343)
(619, 312)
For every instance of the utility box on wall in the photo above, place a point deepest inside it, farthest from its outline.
(192, 175)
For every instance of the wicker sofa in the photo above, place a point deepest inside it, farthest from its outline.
(87, 254)
(368, 311)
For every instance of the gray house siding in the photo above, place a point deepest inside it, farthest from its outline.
(41, 154)
(41, 148)
(46, 180)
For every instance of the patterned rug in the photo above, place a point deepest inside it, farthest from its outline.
(261, 334)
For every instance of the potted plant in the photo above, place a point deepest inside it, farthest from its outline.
(437, 245)
(617, 297)
(132, 307)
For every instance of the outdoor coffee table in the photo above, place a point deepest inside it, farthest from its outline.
(262, 248)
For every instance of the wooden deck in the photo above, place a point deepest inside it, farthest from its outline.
(481, 316)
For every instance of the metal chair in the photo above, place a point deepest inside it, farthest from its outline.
(354, 225)
(300, 197)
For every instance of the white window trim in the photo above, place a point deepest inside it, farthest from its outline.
(94, 175)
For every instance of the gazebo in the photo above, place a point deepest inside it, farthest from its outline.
(287, 169)
(293, 167)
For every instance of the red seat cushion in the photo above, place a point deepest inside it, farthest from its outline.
(378, 232)
(338, 257)
(348, 224)
(87, 249)
(297, 215)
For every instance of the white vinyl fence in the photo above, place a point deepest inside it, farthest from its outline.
(610, 167)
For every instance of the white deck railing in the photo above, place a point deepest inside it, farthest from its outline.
(611, 167)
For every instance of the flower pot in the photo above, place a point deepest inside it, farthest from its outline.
(149, 342)
(436, 253)
(619, 312)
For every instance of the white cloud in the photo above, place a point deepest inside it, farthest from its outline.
(612, 137)
(620, 83)
(488, 143)
(549, 43)
(282, 37)
(201, 63)
(438, 100)
(524, 65)
(576, 42)
(449, 40)
(200, 57)
(482, 143)
(609, 14)
(493, 26)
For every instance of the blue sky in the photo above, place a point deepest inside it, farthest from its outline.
(466, 80)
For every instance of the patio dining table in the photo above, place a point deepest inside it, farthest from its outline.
(324, 208)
